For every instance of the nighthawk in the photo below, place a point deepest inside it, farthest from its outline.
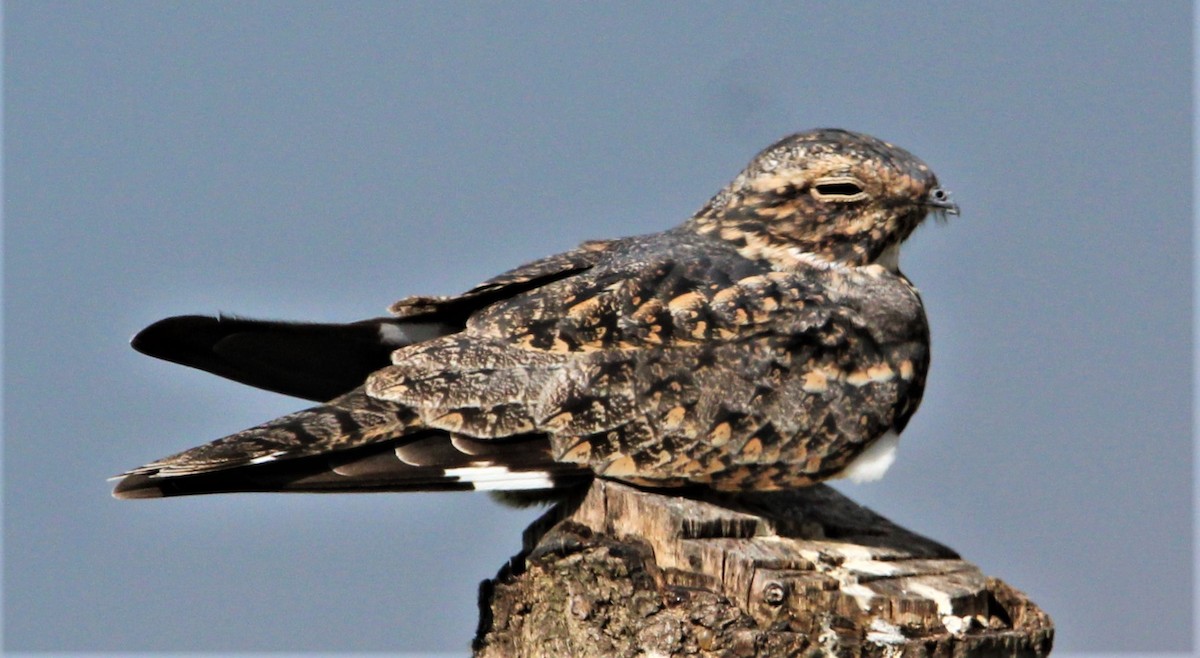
(768, 342)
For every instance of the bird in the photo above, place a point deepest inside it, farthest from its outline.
(768, 342)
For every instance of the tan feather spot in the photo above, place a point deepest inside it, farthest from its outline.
(720, 434)
(646, 312)
(906, 370)
(674, 418)
(681, 464)
(881, 372)
(752, 450)
(526, 341)
(560, 345)
(771, 453)
(519, 426)
(384, 386)
(726, 295)
(773, 182)
(877, 373)
(558, 421)
(874, 270)
(580, 454)
(664, 457)
(623, 465)
(686, 303)
(451, 422)
(713, 466)
(815, 381)
(778, 212)
(587, 309)
(731, 233)
(700, 330)
(595, 245)
(756, 281)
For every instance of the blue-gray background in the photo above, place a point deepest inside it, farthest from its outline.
(320, 160)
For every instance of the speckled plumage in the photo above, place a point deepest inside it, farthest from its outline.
(762, 344)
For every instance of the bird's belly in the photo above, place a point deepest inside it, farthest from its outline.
(874, 461)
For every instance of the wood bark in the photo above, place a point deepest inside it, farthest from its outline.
(619, 571)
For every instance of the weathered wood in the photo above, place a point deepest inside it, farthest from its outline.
(626, 572)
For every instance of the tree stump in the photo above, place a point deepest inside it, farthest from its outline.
(621, 571)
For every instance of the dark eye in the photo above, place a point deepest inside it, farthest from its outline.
(839, 189)
(842, 188)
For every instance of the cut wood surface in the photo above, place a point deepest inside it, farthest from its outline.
(621, 571)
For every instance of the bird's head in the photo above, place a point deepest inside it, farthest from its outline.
(829, 195)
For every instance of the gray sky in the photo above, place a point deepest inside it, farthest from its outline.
(321, 160)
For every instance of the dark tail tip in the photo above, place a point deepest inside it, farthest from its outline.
(136, 486)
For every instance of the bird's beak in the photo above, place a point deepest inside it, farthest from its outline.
(940, 200)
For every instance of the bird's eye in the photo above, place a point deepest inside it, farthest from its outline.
(841, 188)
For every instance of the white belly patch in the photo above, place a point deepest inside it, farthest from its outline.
(874, 461)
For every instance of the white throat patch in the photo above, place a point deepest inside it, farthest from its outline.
(890, 258)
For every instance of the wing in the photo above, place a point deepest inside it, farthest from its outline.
(353, 443)
(681, 372)
(430, 462)
(322, 361)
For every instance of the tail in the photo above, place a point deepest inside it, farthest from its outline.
(311, 361)
(355, 443)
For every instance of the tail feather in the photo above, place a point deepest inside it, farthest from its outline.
(306, 360)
